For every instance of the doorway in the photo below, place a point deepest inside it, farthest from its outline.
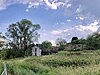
(35, 51)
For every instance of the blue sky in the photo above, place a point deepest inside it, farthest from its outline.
(58, 18)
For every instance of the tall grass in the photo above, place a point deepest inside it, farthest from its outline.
(62, 63)
(1, 67)
(24, 68)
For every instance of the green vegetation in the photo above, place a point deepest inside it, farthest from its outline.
(61, 43)
(46, 46)
(63, 63)
(93, 41)
(74, 40)
(21, 35)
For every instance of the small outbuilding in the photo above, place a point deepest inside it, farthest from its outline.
(36, 51)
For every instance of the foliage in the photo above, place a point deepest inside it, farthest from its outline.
(2, 40)
(3, 54)
(93, 41)
(61, 43)
(46, 47)
(82, 41)
(74, 40)
(27, 69)
(21, 35)
(1, 67)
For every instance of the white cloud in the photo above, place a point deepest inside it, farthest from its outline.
(27, 10)
(93, 27)
(54, 4)
(68, 34)
(57, 23)
(32, 3)
(65, 30)
(83, 10)
(79, 9)
(62, 23)
(69, 5)
(60, 32)
(53, 42)
(56, 33)
(81, 18)
(68, 20)
(3, 4)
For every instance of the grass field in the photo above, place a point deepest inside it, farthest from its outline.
(62, 63)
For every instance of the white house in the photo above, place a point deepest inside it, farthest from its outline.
(36, 51)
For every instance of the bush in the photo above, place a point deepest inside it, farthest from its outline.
(67, 63)
(3, 54)
(27, 69)
(63, 53)
(1, 67)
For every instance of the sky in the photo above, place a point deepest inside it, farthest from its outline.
(58, 18)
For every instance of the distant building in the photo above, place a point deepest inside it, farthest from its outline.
(36, 51)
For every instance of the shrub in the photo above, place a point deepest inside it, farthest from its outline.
(27, 69)
(1, 67)
(67, 63)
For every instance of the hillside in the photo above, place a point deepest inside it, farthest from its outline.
(62, 63)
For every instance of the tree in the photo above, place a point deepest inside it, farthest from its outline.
(93, 41)
(46, 46)
(82, 41)
(2, 40)
(22, 34)
(74, 40)
(61, 43)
